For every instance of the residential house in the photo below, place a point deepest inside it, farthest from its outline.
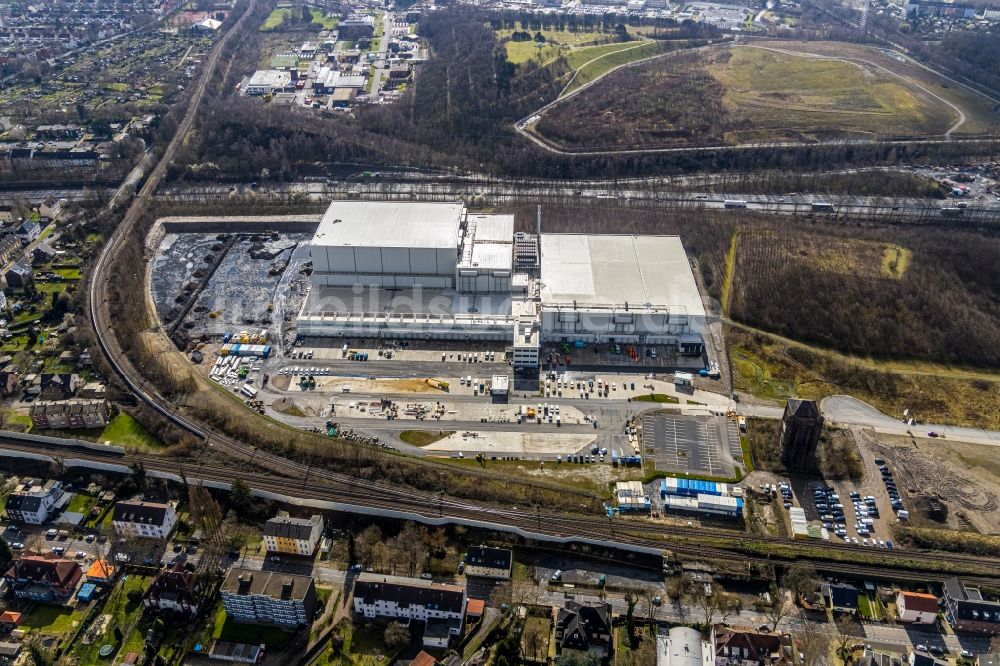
(28, 231)
(10, 620)
(51, 208)
(873, 658)
(207, 25)
(43, 253)
(57, 386)
(10, 245)
(917, 608)
(294, 536)
(101, 573)
(92, 390)
(265, 597)
(988, 659)
(33, 501)
(175, 590)
(584, 628)
(423, 658)
(488, 562)
(441, 606)
(841, 597)
(474, 609)
(743, 647)
(967, 610)
(70, 414)
(8, 383)
(148, 520)
(41, 579)
(6, 214)
(19, 275)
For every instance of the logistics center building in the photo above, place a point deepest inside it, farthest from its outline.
(435, 271)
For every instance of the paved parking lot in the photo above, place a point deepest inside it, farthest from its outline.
(701, 445)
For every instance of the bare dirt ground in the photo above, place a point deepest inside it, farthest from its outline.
(964, 478)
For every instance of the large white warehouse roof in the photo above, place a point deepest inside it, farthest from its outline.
(611, 270)
(390, 224)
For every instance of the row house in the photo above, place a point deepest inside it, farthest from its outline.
(441, 606)
(70, 414)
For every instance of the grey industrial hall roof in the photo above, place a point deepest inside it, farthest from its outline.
(492, 255)
(611, 270)
(493, 228)
(390, 224)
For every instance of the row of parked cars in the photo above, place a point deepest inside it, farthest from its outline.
(890, 487)
(310, 372)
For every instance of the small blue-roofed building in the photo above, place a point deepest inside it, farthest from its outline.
(86, 592)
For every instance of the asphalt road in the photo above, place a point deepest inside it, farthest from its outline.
(846, 410)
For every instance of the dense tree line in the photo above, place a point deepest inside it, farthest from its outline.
(946, 306)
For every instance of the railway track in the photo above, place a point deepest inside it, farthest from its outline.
(623, 534)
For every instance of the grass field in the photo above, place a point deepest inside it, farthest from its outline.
(979, 111)
(124, 613)
(126, 431)
(555, 40)
(785, 96)
(319, 19)
(52, 620)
